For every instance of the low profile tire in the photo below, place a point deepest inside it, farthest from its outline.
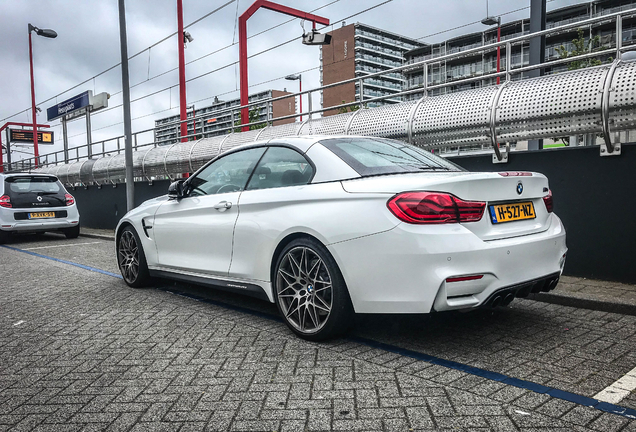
(310, 291)
(71, 233)
(131, 259)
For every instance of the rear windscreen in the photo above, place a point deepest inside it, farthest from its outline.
(32, 184)
(377, 156)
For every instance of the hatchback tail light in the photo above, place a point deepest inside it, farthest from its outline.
(69, 199)
(548, 201)
(5, 201)
(434, 208)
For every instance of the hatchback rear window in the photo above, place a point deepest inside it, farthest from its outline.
(376, 156)
(32, 184)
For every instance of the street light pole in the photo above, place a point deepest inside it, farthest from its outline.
(49, 34)
(492, 21)
(298, 77)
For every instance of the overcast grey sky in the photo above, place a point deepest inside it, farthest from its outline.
(88, 43)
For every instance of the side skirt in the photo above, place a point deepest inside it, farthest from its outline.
(248, 289)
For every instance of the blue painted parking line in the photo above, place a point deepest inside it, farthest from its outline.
(493, 376)
(85, 267)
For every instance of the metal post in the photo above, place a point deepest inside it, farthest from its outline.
(268, 113)
(426, 79)
(36, 152)
(65, 139)
(136, 141)
(619, 36)
(300, 89)
(8, 148)
(89, 137)
(508, 60)
(182, 85)
(537, 50)
(498, 48)
(125, 82)
(309, 104)
(361, 87)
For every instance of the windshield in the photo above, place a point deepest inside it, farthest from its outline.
(32, 184)
(375, 156)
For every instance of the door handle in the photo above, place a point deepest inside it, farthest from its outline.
(223, 205)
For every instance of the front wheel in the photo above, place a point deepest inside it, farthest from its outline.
(131, 259)
(310, 291)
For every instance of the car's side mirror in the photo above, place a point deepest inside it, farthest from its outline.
(175, 190)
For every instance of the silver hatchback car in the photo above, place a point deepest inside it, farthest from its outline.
(36, 203)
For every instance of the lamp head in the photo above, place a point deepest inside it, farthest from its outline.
(293, 77)
(47, 33)
(491, 21)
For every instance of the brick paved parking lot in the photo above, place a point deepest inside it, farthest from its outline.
(79, 350)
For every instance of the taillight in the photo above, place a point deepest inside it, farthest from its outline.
(548, 201)
(69, 199)
(5, 201)
(434, 208)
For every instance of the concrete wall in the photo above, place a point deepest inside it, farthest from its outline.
(594, 196)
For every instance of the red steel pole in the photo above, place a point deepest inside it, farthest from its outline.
(182, 84)
(499, 49)
(242, 25)
(36, 153)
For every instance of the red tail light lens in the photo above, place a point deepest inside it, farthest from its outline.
(70, 200)
(434, 208)
(548, 201)
(5, 201)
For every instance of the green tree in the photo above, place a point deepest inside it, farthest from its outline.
(254, 116)
(352, 108)
(581, 46)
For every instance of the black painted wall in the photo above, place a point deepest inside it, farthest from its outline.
(594, 196)
(103, 207)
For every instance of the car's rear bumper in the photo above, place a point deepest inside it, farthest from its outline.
(405, 270)
(9, 224)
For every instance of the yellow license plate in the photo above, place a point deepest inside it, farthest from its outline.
(512, 212)
(41, 215)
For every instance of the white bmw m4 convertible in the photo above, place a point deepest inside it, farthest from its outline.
(328, 226)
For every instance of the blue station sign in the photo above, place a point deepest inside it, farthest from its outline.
(68, 106)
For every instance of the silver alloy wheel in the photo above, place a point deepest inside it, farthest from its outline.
(304, 289)
(128, 252)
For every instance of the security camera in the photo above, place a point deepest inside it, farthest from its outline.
(316, 38)
(187, 37)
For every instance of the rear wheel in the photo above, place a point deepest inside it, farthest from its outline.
(4, 236)
(131, 259)
(71, 233)
(310, 291)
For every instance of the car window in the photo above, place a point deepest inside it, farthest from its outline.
(32, 184)
(281, 167)
(227, 174)
(374, 156)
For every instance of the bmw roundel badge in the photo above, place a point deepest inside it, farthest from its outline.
(519, 188)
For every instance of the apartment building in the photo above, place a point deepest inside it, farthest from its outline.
(475, 64)
(216, 119)
(357, 50)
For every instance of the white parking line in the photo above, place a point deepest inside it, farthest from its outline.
(62, 245)
(618, 390)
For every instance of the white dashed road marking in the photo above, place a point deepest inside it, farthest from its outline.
(18, 323)
(620, 389)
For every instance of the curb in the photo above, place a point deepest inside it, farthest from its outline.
(584, 303)
(98, 236)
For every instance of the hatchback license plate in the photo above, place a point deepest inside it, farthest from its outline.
(41, 215)
(512, 212)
